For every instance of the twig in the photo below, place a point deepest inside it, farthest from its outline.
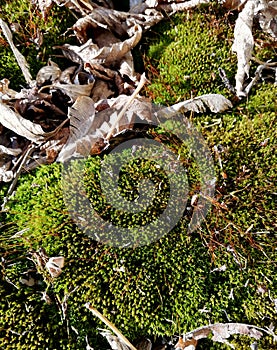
(16, 176)
(143, 80)
(110, 325)
(266, 65)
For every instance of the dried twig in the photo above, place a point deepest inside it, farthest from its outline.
(143, 80)
(110, 325)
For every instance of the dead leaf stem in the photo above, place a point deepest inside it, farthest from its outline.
(110, 325)
(143, 80)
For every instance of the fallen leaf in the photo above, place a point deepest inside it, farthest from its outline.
(244, 43)
(21, 126)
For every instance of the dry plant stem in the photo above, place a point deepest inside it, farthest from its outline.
(257, 76)
(13, 184)
(110, 325)
(143, 80)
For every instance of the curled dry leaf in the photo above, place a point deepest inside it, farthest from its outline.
(86, 128)
(73, 91)
(21, 126)
(5, 92)
(10, 151)
(244, 43)
(44, 6)
(108, 56)
(119, 23)
(48, 74)
(268, 17)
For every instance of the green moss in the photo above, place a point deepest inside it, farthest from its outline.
(184, 61)
(167, 287)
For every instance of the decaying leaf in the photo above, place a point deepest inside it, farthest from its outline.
(44, 6)
(54, 266)
(30, 282)
(48, 74)
(114, 341)
(215, 102)
(5, 92)
(21, 126)
(243, 43)
(222, 331)
(119, 23)
(108, 56)
(268, 17)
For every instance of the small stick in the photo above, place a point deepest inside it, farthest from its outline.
(29, 151)
(109, 324)
(143, 80)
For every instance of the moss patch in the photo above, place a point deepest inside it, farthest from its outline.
(171, 286)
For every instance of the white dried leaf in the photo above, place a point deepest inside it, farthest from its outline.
(30, 282)
(118, 22)
(268, 17)
(10, 151)
(21, 126)
(244, 43)
(44, 6)
(175, 6)
(5, 92)
(19, 57)
(114, 341)
(215, 102)
(48, 73)
(5, 175)
(81, 116)
(54, 266)
(92, 128)
(73, 91)
(108, 56)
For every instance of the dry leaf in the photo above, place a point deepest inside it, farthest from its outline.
(108, 56)
(44, 6)
(21, 126)
(54, 266)
(73, 91)
(244, 43)
(5, 92)
(30, 282)
(215, 102)
(119, 23)
(48, 74)
(222, 331)
(268, 17)
(10, 151)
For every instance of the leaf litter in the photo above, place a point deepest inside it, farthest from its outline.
(60, 114)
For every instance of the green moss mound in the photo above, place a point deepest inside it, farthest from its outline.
(175, 284)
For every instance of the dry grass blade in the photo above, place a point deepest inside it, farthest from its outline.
(110, 325)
